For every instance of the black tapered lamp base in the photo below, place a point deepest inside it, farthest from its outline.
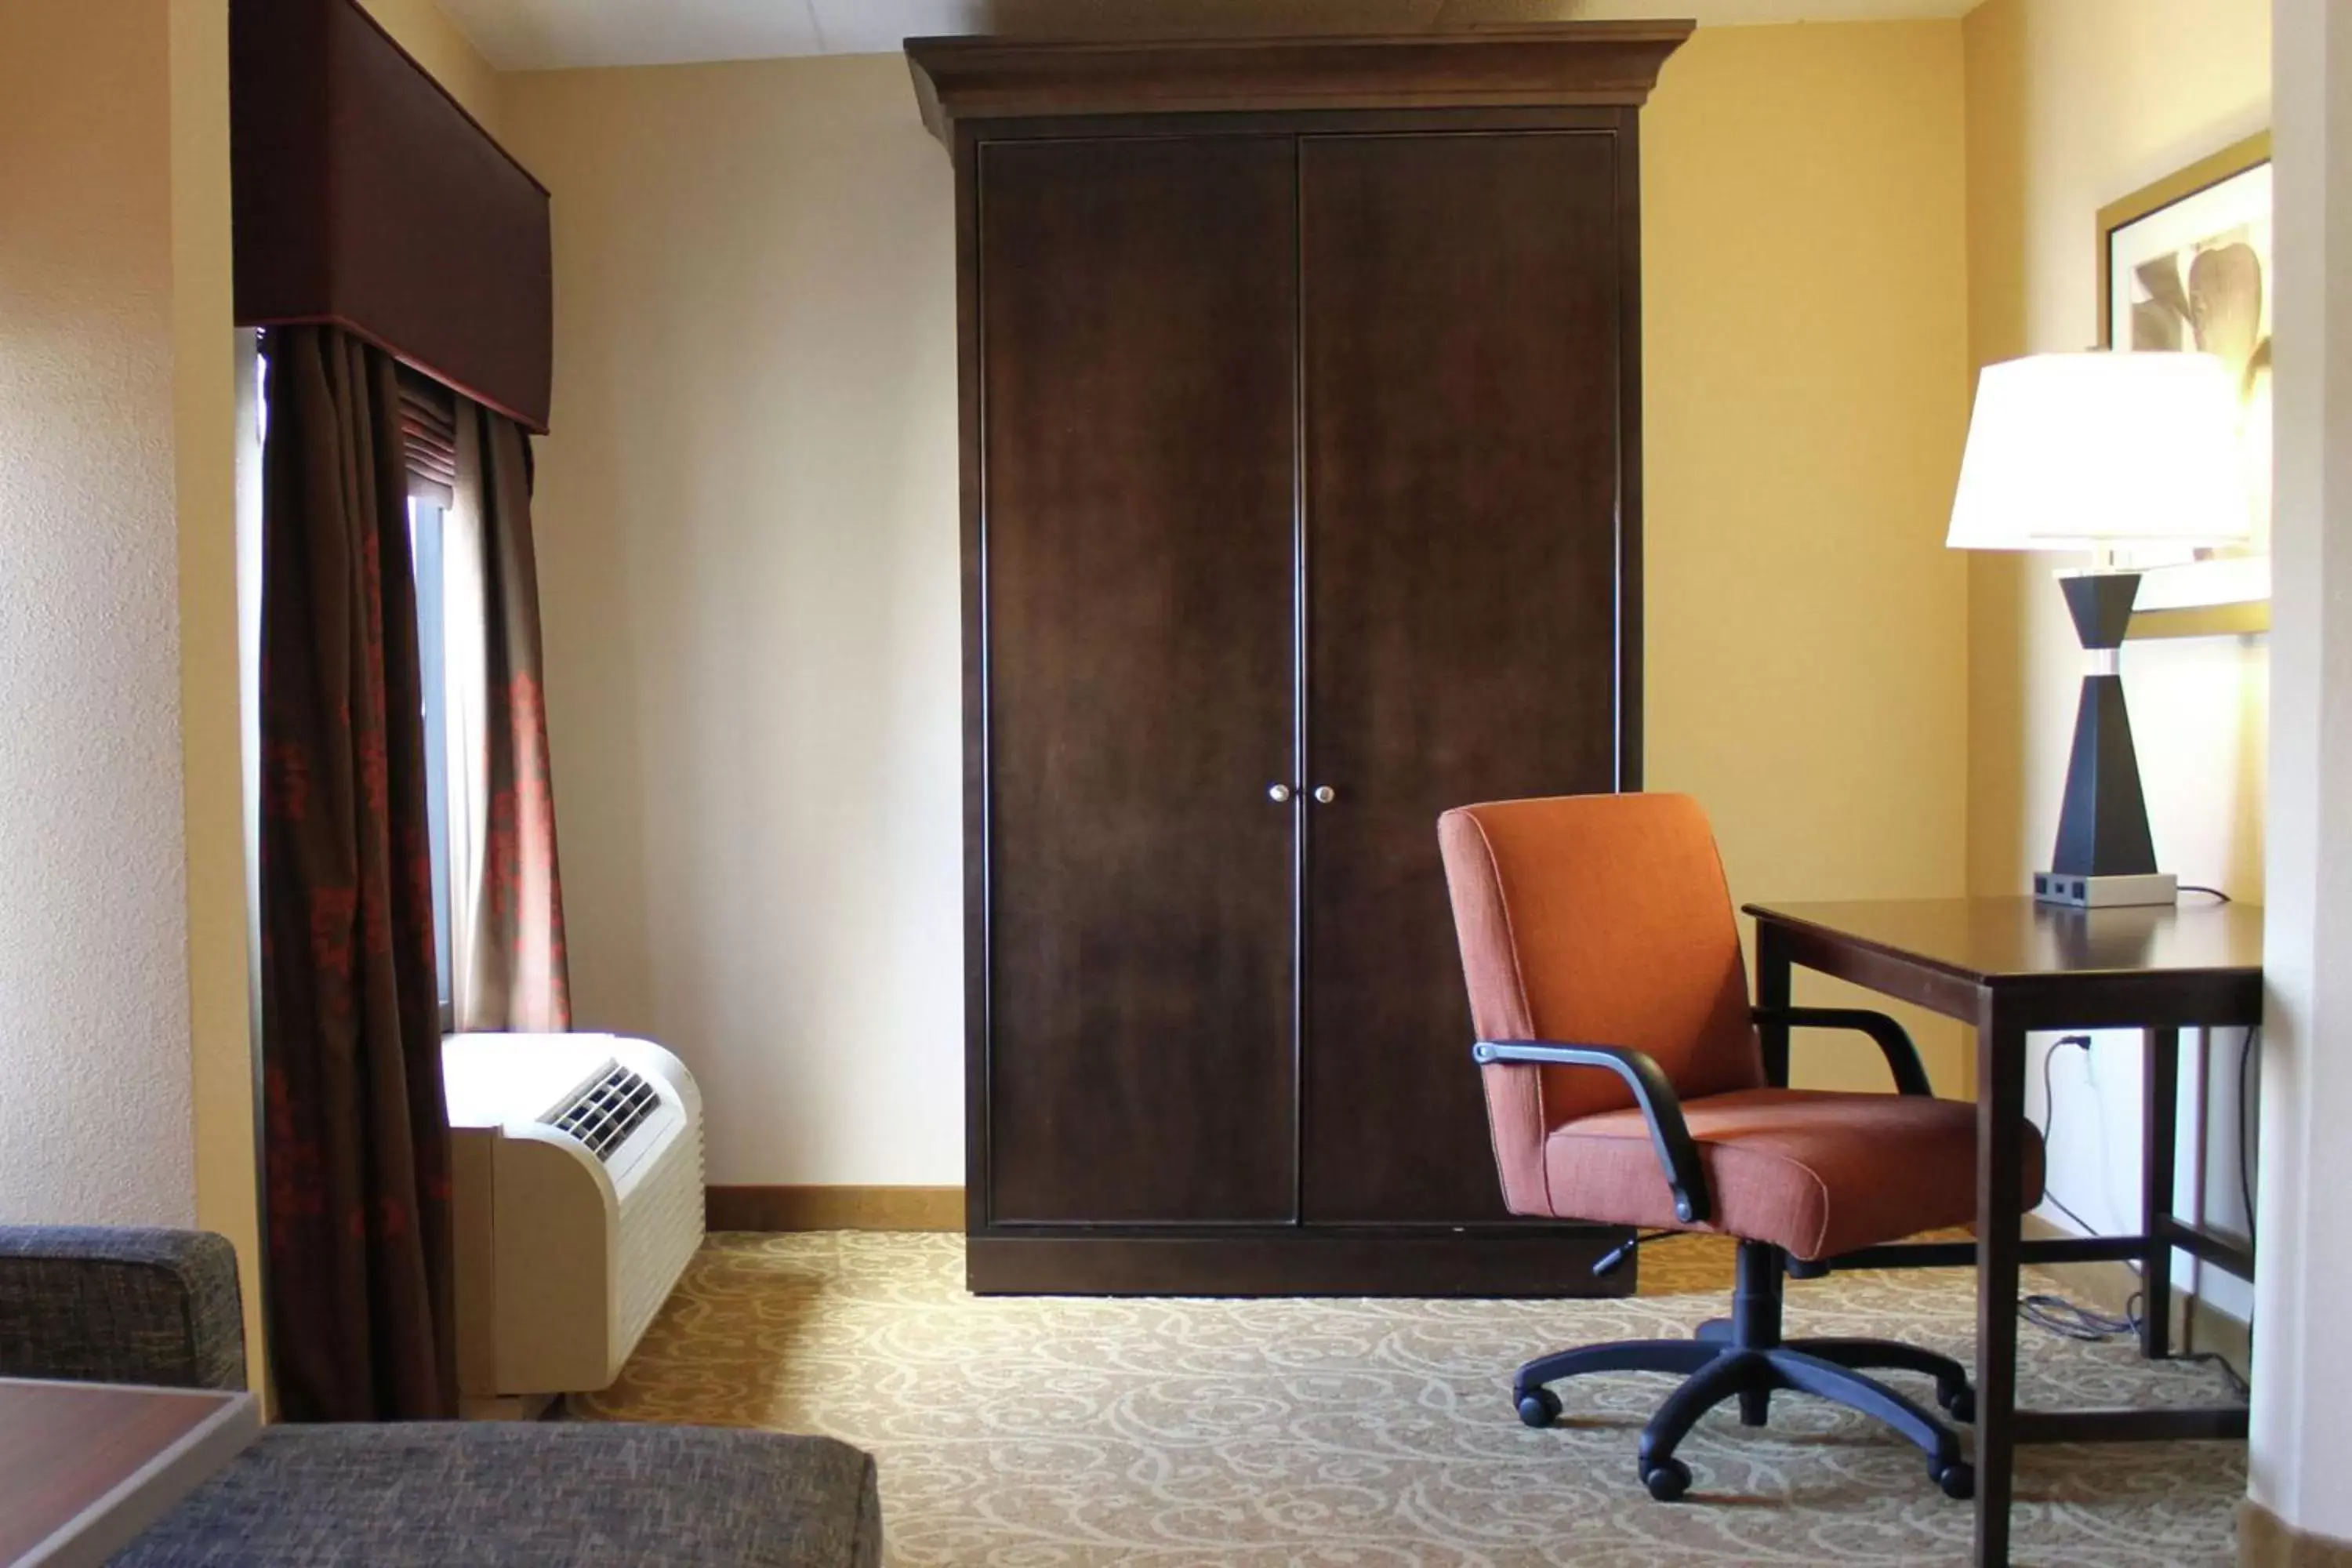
(2106, 854)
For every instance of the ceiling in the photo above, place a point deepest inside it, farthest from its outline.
(545, 35)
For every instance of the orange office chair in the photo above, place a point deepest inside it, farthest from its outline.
(1625, 1085)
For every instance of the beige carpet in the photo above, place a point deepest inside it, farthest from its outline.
(1040, 1432)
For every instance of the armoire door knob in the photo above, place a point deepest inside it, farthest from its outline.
(1325, 794)
(1278, 793)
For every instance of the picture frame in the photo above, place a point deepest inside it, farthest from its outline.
(2185, 263)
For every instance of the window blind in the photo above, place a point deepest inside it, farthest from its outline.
(428, 434)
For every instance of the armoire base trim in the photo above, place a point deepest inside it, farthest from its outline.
(1307, 1261)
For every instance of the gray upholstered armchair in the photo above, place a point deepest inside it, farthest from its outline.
(161, 1306)
(95, 1305)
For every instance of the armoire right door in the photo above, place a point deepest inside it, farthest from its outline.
(1465, 369)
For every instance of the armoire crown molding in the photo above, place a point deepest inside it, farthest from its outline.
(1538, 66)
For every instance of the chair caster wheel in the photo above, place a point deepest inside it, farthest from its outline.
(1958, 1479)
(1539, 1407)
(1960, 1404)
(1667, 1479)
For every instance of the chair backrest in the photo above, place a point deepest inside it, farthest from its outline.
(1595, 920)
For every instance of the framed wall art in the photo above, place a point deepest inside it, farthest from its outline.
(2185, 266)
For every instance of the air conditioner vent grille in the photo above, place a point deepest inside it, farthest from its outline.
(607, 1112)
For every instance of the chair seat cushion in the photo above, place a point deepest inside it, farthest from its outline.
(525, 1495)
(1813, 1172)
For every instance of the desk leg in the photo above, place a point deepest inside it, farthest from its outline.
(2159, 1135)
(1773, 990)
(2001, 1121)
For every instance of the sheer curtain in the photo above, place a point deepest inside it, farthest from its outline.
(507, 893)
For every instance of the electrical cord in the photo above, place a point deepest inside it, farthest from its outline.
(2061, 1317)
(2049, 1132)
(2215, 1360)
(2218, 894)
(2246, 1046)
(2246, 1158)
(2070, 1319)
(2057, 1314)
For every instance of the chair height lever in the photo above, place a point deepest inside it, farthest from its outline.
(1614, 1259)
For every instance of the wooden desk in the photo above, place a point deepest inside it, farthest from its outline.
(85, 1467)
(2008, 966)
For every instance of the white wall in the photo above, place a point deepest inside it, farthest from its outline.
(2072, 104)
(94, 1009)
(747, 518)
(2302, 1440)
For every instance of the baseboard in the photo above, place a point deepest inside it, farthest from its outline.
(2213, 1330)
(2266, 1540)
(833, 1208)
(2197, 1324)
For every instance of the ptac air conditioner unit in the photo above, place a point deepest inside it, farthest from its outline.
(577, 1166)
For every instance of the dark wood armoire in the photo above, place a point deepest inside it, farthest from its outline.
(1301, 430)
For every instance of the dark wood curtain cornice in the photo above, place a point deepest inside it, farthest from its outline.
(365, 197)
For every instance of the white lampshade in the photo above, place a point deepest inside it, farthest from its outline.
(2068, 451)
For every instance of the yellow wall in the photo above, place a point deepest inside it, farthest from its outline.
(748, 521)
(1805, 356)
(94, 994)
(426, 31)
(2071, 105)
(203, 444)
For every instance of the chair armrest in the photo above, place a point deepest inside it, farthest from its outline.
(1893, 1040)
(107, 1305)
(1661, 1108)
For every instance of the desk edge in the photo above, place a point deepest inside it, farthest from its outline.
(1993, 979)
(119, 1516)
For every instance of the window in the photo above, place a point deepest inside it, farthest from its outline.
(428, 430)
(425, 516)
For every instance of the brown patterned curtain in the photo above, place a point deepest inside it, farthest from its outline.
(509, 901)
(356, 1138)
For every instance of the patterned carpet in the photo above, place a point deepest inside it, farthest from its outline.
(1033, 1433)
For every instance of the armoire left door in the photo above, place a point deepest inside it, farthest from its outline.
(1135, 594)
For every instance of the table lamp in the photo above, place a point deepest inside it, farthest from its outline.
(2103, 452)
